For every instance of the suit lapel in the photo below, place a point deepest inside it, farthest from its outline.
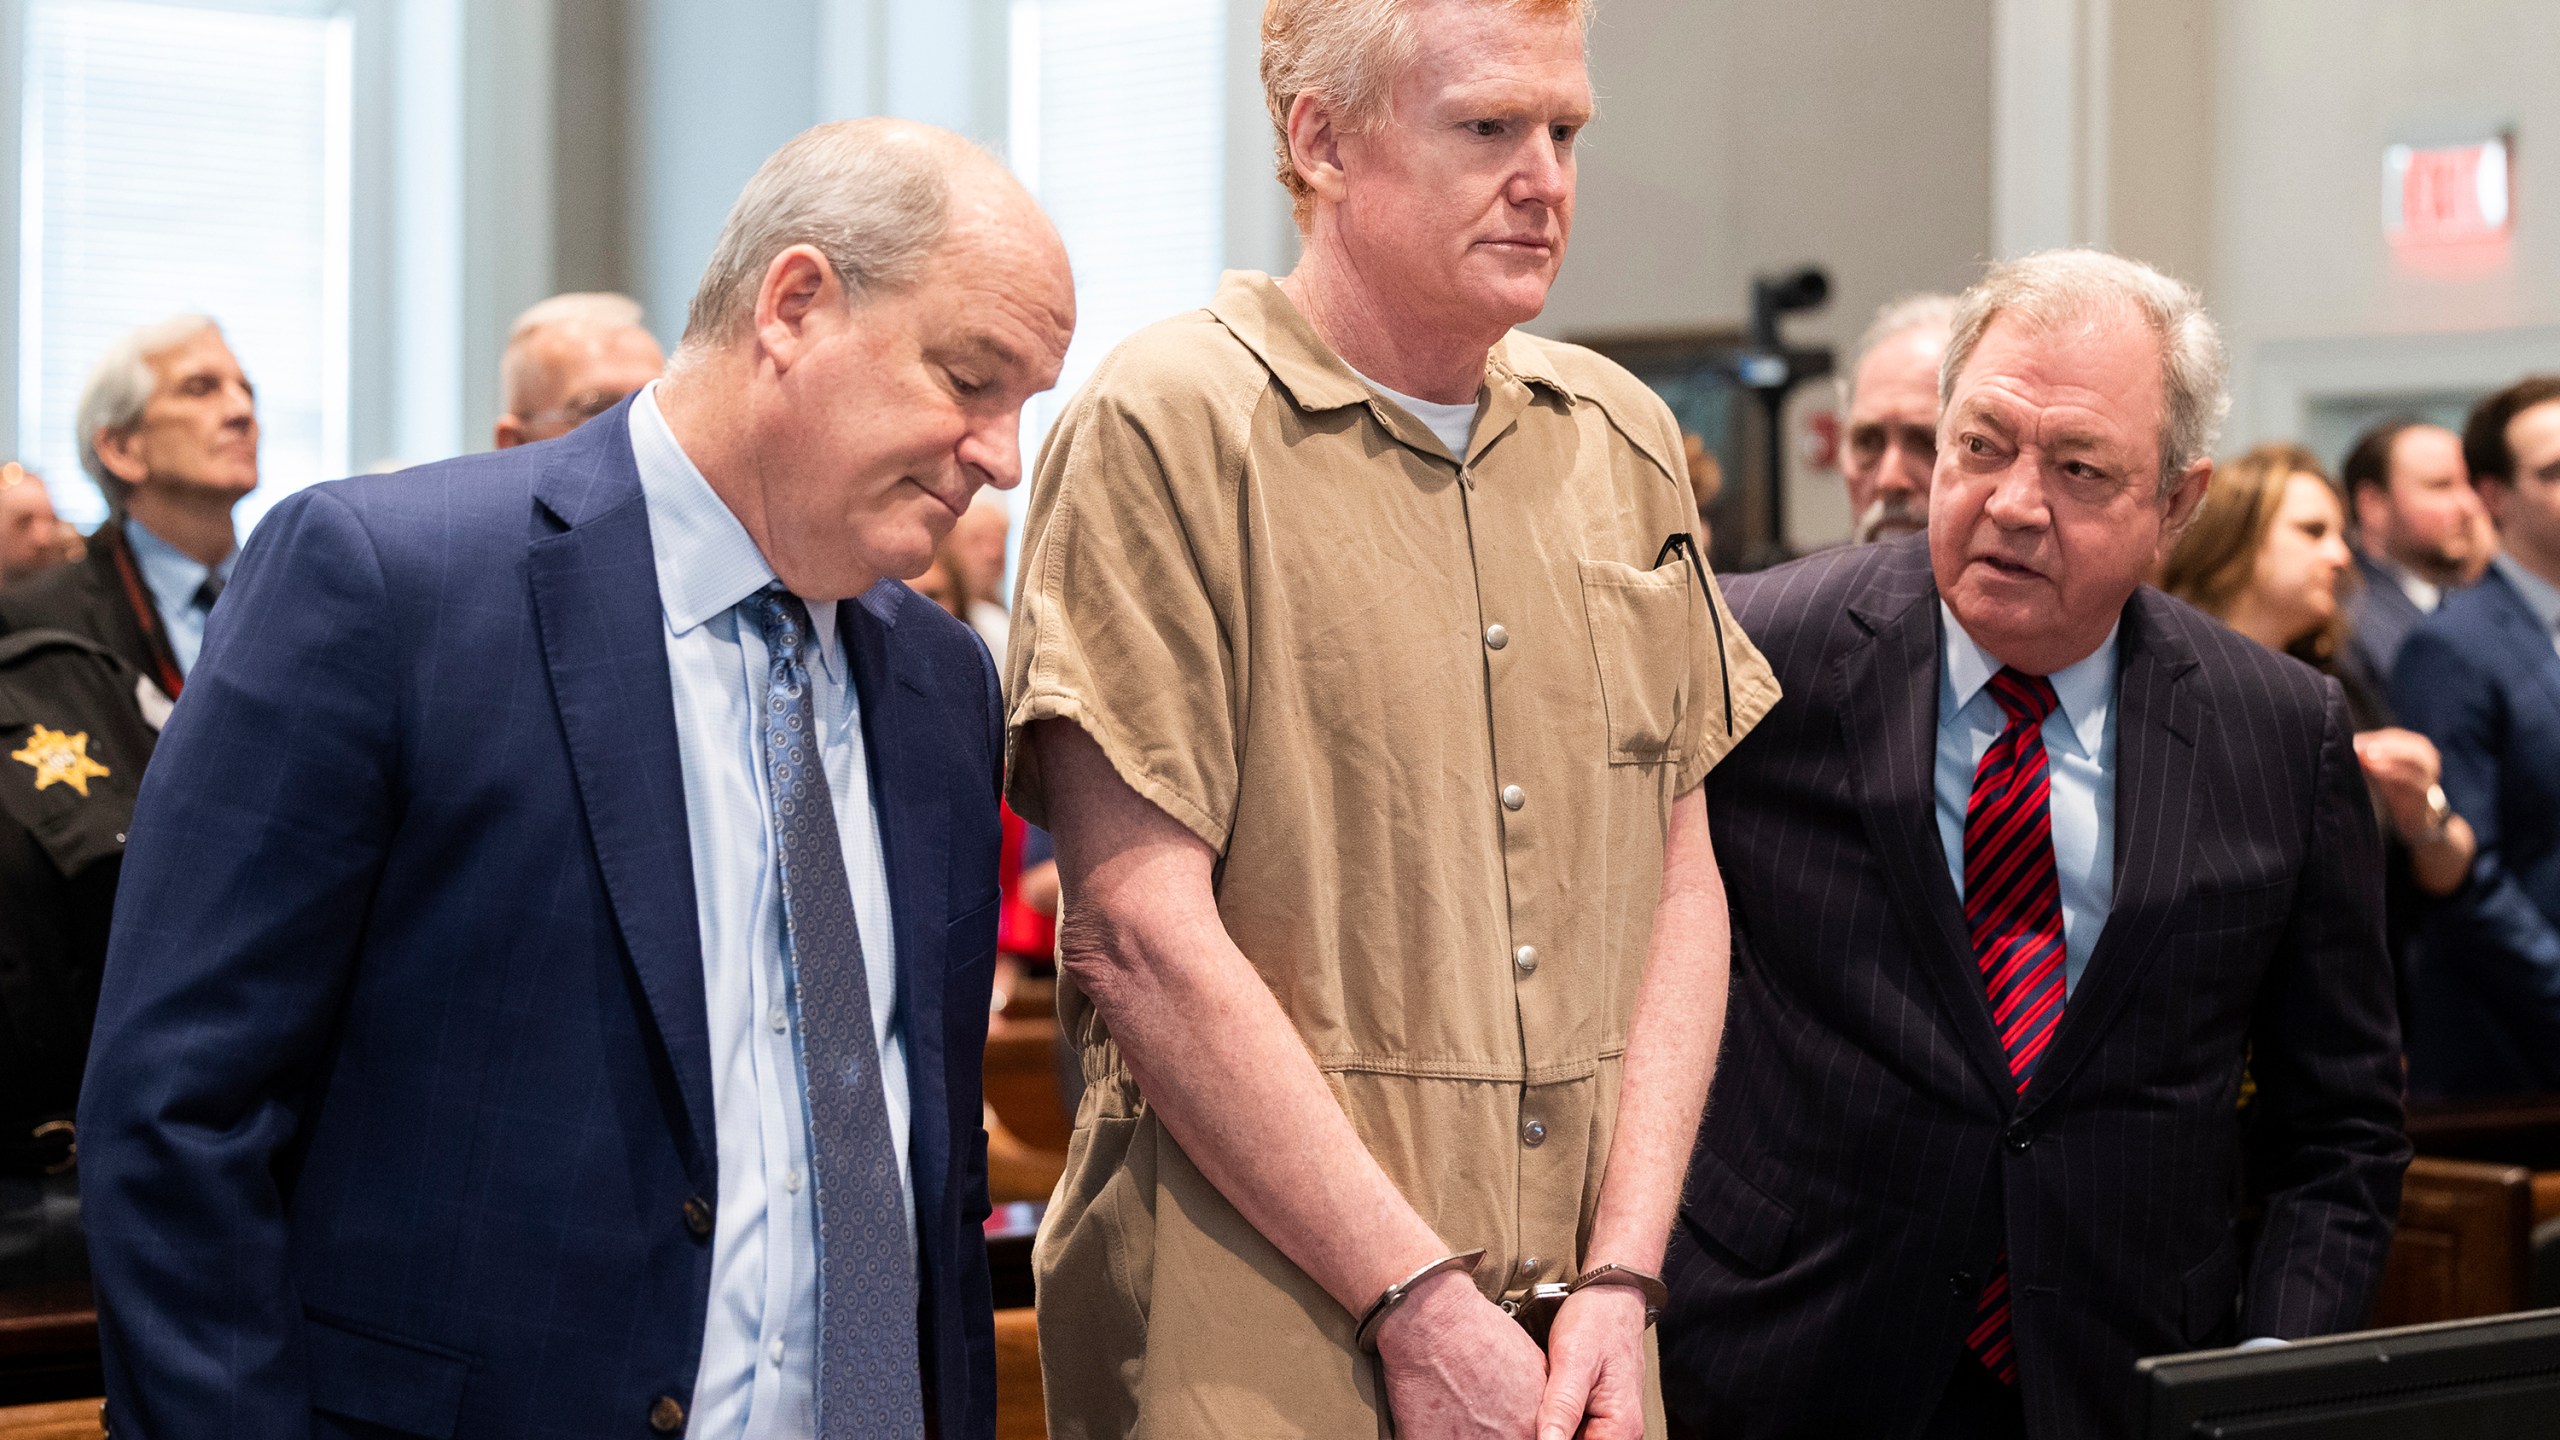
(1886, 696)
(2532, 642)
(2157, 720)
(132, 624)
(595, 597)
(900, 736)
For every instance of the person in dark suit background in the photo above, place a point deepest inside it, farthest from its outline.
(2025, 869)
(2417, 538)
(168, 427)
(550, 981)
(2481, 678)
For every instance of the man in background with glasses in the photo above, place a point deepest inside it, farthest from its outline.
(570, 359)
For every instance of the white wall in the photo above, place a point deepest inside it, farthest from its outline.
(714, 89)
(2308, 93)
(1738, 136)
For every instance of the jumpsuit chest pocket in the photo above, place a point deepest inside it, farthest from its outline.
(1640, 641)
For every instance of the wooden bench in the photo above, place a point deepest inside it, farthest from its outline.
(2465, 1243)
(48, 1344)
(56, 1420)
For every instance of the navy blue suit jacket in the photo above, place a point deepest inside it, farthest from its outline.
(2379, 620)
(1867, 1159)
(2480, 678)
(401, 1083)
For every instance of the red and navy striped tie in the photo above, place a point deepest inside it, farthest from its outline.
(2013, 904)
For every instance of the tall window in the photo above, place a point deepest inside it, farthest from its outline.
(1119, 126)
(180, 158)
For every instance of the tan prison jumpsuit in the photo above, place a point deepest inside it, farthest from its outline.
(1432, 715)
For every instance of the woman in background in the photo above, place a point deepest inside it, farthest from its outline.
(2267, 555)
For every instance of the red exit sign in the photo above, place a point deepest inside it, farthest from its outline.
(2438, 195)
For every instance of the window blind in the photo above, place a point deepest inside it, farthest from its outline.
(1119, 127)
(178, 158)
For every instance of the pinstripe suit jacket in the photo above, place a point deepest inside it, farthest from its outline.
(1866, 1157)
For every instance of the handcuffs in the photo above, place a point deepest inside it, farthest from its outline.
(1535, 1308)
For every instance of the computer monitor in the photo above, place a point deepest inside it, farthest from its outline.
(2461, 1379)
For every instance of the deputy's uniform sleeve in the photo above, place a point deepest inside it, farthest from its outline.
(1116, 625)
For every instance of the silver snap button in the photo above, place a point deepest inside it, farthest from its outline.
(1513, 797)
(1530, 1267)
(1533, 1134)
(1526, 957)
(1495, 637)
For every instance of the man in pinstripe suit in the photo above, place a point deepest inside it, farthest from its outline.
(2028, 866)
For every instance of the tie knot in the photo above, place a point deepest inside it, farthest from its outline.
(2027, 699)
(781, 617)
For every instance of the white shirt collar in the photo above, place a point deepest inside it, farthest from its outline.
(706, 561)
(2086, 687)
(2425, 594)
(173, 576)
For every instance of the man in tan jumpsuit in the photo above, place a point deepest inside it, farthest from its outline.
(1368, 706)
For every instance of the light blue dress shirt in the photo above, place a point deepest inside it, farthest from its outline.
(2080, 755)
(173, 578)
(759, 1340)
(2540, 595)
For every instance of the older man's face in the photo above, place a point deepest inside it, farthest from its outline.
(2046, 514)
(1891, 446)
(200, 430)
(898, 410)
(578, 372)
(1460, 202)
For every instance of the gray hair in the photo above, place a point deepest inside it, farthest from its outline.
(872, 196)
(2053, 287)
(120, 389)
(1928, 310)
(577, 310)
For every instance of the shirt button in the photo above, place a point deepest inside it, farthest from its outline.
(1513, 797)
(1526, 957)
(1530, 1267)
(775, 1352)
(779, 1021)
(1495, 637)
(791, 1181)
(1534, 1134)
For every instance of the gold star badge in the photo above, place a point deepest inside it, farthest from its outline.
(57, 757)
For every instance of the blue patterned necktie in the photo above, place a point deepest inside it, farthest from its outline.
(869, 1383)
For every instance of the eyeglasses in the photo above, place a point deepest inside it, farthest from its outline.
(577, 410)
